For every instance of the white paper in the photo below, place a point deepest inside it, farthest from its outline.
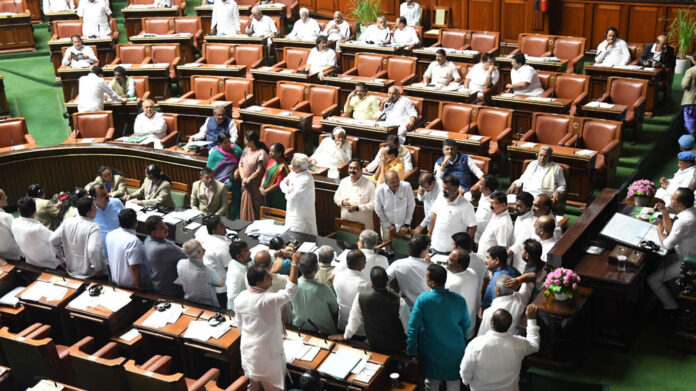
(129, 335)
(585, 152)
(307, 247)
(440, 259)
(310, 353)
(130, 204)
(10, 298)
(41, 289)
(159, 319)
(368, 372)
(292, 348)
(255, 108)
(439, 133)
(339, 364)
(476, 137)
(529, 145)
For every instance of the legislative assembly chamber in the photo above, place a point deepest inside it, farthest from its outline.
(217, 194)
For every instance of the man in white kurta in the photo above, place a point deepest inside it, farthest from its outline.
(377, 33)
(332, 151)
(394, 205)
(33, 237)
(405, 35)
(300, 215)
(150, 123)
(410, 272)
(258, 317)
(92, 89)
(684, 177)
(404, 154)
(8, 245)
(499, 230)
(544, 228)
(261, 25)
(367, 241)
(50, 6)
(94, 15)
(482, 75)
(321, 57)
(613, 50)
(399, 111)
(411, 11)
(463, 279)
(347, 283)
(225, 18)
(78, 55)
(523, 228)
(441, 72)
(306, 28)
(508, 299)
(217, 253)
(542, 176)
(523, 78)
(452, 213)
(428, 191)
(356, 196)
(337, 29)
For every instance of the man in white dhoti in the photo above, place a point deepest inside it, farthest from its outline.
(377, 33)
(541, 176)
(225, 18)
(257, 312)
(337, 29)
(94, 15)
(261, 25)
(299, 193)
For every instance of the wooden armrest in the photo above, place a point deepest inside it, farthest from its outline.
(273, 102)
(512, 53)
(571, 141)
(329, 110)
(471, 129)
(170, 139)
(109, 134)
(547, 92)
(211, 375)
(146, 95)
(257, 63)
(29, 330)
(146, 60)
(248, 101)
(217, 96)
(407, 80)
(639, 104)
(29, 139)
(161, 365)
(529, 135)
(434, 124)
(381, 75)
(188, 95)
(281, 64)
(436, 44)
(505, 135)
(351, 71)
(610, 147)
(107, 351)
(44, 331)
(200, 60)
(565, 138)
(115, 62)
(580, 99)
(546, 54)
(604, 97)
(85, 345)
(175, 62)
(302, 106)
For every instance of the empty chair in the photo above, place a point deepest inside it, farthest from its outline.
(631, 93)
(205, 87)
(249, 55)
(153, 375)
(484, 42)
(368, 65)
(289, 96)
(272, 214)
(401, 69)
(323, 102)
(452, 39)
(132, 54)
(291, 8)
(291, 138)
(97, 369)
(552, 129)
(239, 91)
(68, 28)
(496, 124)
(13, 131)
(571, 49)
(293, 58)
(167, 53)
(159, 26)
(172, 137)
(99, 124)
(452, 117)
(604, 137)
(217, 53)
(535, 45)
(190, 25)
(346, 230)
(573, 87)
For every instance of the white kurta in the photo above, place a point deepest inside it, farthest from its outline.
(442, 74)
(360, 193)
(319, 61)
(428, 200)
(467, 284)
(522, 230)
(399, 113)
(546, 246)
(330, 156)
(451, 218)
(514, 303)
(305, 31)
(261, 28)
(483, 214)
(235, 282)
(95, 18)
(58, 5)
(79, 242)
(225, 18)
(407, 36)
(478, 75)
(682, 178)
(300, 214)
(347, 284)
(374, 34)
(154, 126)
(33, 239)
(498, 232)
(217, 257)
(372, 259)
(395, 208)
(257, 313)
(410, 274)
(533, 178)
(681, 238)
(83, 58)
(618, 54)
(92, 89)
(336, 32)
(412, 13)
(8, 245)
(526, 73)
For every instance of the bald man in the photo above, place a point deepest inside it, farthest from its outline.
(398, 110)
(337, 30)
(658, 54)
(543, 228)
(150, 123)
(394, 205)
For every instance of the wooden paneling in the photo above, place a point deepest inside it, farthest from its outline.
(512, 19)
(309, 4)
(326, 7)
(605, 15)
(484, 15)
(577, 13)
(643, 24)
(457, 8)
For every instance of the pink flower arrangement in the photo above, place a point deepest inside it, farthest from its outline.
(562, 280)
(641, 188)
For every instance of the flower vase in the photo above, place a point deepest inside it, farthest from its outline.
(640, 200)
(560, 296)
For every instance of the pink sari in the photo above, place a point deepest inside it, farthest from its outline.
(249, 163)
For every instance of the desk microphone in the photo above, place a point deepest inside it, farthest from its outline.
(245, 96)
(14, 3)
(300, 328)
(210, 97)
(11, 139)
(299, 64)
(293, 108)
(123, 131)
(519, 136)
(575, 146)
(379, 68)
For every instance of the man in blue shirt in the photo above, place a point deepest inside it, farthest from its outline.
(496, 262)
(460, 165)
(107, 210)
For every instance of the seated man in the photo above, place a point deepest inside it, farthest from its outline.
(658, 54)
(482, 75)
(411, 11)
(523, 78)
(214, 126)
(441, 72)
(684, 177)
(78, 55)
(338, 29)
(306, 28)
(58, 6)
(399, 111)
(686, 143)
(389, 161)
(92, 89)
(541, 176)
(261, 25)
(359, 104)
(150, 124)
(208, 195)
(225, 18)
(460, 165)
(332, 151)
(377, 33)
(321, 58)
(405, 35)
(122, 84)
(612, 51)
(404, 154)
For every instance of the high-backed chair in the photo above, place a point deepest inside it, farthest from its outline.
(179, 194)
(632, 93)
(289, 96)
(369, 65)
(249, 55)
(169, 53)
(483, 42)
(14, 6)
(636, 50)
(547, 79)
(571, 49)
(272, 214)
(159, 26)
(217, 53)
(552, 129)
(604, 137)
(190, 25)
(346, 230)
(574, 87)
(13, 131)
(453, 39)
(205, 87)
(153, 375)
(172, 137)
(239, 385)
(68, 28)
(97, 369)
(239, 91)
(535, 45)
(401, 69)
(494, 123)
(132, 54)
(293, 58)
(291, 138)
(93, 125)
(142, 87)
(323, 102)
(452, 117)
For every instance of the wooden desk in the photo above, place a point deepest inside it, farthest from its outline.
(185, 41)
(83, 141)
(50, 384)
(379, 381)
(599, 74)
(579, 180)
(16, 34)
(298, 367)
(347, 84)
(105, 50)
(192, 112)
(427, 55)
(4, 107)
(70, 81)
(265, 79)
(430, 143)
(525, 106)
(186, 71)
(205, 12)
(57, 16)
(348, 50)
(235, 39)
(432, 98)
(14, 317)
(124, 115)
(614, 113)
(280, 43)
(202, 355)
(551, 64)
(253, 119)
(158, 75)
(273, 10)
(368, 133)
(132, 17)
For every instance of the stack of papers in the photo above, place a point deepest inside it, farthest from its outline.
(507, 95)
(439, 133)
(295, 349)
(255, 108)
(142, 216)
(539, 99)
(470, 52)
(340, 364)
(111, 299)
(475, 137)
(193, 64)
(439, 259)
(584, 152)
(10, 298)
(41, 289)
(46, 385)
(130, 204)
(307, 247)
(528, 145)
(159, 319)
(602, 105)
(633, 67)
(203, 331)
(368, 372)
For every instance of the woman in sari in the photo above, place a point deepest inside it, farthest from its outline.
(223, 159)
(276, 171)
(252, 165)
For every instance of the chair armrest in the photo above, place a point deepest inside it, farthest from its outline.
(29, 330)
(188, 95)
(170, 139)
(571, 141)
(85, 344)
(54, 37)
(218, 96)
(604, 97)
(492, 51)
(212, 374)
(146, 60)
(512, 53)
(342, 170)
(44, 331)
(471, 129)
(161, 365)
(110, 350)
(639, 105)
(528, 135)
(412, 177)
(115, 62)
(329, 110)
(146, 95)
(634, 62)
(302, 106)
(170, 32)
(547, 93)
(408, 79)
(289, 153)
(200, 60)
(546, 54)
(176, 62)
(257, 63)
(240, 384)
(565, 138)
(75, 134)
(273, 102)
(381, 75)
(610, 147)
(436, 44)
(580, 99)
(281, 64)
(248, 101)
(351, 71)
(109, 134)
(29, 139)
(573, 61)
(434, 124)
(332, 235)
(505, 135)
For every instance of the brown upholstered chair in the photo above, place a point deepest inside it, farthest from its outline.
(574, 87)
(132, 54)
(13, 131)
(93, 125)
(494, 123)
(169, 53)
(346, 230)
(552, 129)
(535, 45)
(239, 385)
(632, 93)
(160, 26)
(368, 65)
(289, 96)
(32, 352)
(205, 87)
(452, 117)
(547, 80)
(291, 138)
(142, 87)
(152, 375)
(604, 137)
(636, 50)
(323, 102)
(453, 39)
(68, 28)
(14, 6)
(293, 58)
(191, 25)
(172, 136)
(401, 69)
(571, 49)
(97, 369)
(217, 53)
(239, 91)
(484, 42)
(249, 55)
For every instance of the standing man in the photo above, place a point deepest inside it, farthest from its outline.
(523, 228)
(94, 15)
(299, 193)
(150, 124)
(127, 262)
(217, 252)
(78, 55)
(359, 104)
(214, 126)
(410, 272)
(348, 283)
(258, 318)
(108, 209)
(437, 331)
(499, 230)
(356, 196)
(411, 11)
(162, 256)
(394, 205)
(314, 307)
(225, 18)
(208, 195)
(236, 271)
(509, 300)
(92, 89)
(399, 111)
(613, 50)
(544, 228)
(487, 185)
(451, 213)
(457, 164)
(428, 191)
(463, 280)
(32, 236)
(306, 28)
(8, 245)
(441, 72)
(46, 210)
(496, 263)
(198, 280)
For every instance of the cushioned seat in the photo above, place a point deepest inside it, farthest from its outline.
(169, 53)
(452, 117)
(217, 53)
(179, 193)
(604, 137)
(494, 123)
(205, 87)
(172, 137)
(484, 42)
(573, 87)
(571, 49)
(535, 45)
(547, 80)
(99, 124)
(293, 58)
(289, 96)
(552, 129)
(632, 93)
(369, 65)
(249, 55)
(68, 28)
(159, 26)
(190, 25)
(451, 38)
(13, 131)
(239, 91)
(100, 369)
(323, 102)
(153, 376)
(401, 69)
(289, 137)
(132, 54)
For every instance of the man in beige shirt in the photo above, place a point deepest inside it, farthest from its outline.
(46, 210)
(356, 196)
(441, 72)
(359, 105)
(208, 195)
